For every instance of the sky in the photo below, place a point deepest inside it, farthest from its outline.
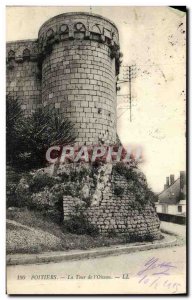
(154, 40)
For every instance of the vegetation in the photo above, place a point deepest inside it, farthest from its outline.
(37, 238)
(47, 234)
(14, 119)
(28, 138)
(40, 181)
(136, 185)
(118, 191)
(79, 224)
(133, 237)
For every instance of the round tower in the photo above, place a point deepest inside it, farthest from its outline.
(80, 61)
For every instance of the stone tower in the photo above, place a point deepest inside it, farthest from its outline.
(72, 66)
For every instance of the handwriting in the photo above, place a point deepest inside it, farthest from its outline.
(159, 268)
(156, 274)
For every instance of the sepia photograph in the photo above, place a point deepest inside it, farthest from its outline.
(96, 182)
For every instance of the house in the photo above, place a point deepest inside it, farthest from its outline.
(172, 200)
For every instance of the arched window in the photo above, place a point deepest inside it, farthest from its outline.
(26, 53)
(64, 28)
(80, 27)
(96, 29)
(50, 33)
(11, 55)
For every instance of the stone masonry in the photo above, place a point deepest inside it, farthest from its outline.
(72, 66)
(110, 212)
(22, 74)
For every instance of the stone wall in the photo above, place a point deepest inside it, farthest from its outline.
(81, 84)
(117, 213)
(23, 82)
(69, 205)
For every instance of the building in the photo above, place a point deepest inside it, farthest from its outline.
(71, 66)
(172, 200)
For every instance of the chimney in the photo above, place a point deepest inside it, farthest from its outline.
(167, 183)
(182, 180)
(172, 179)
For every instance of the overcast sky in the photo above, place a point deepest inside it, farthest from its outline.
(152, 38)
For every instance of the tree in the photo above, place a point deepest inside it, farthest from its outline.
(28, 138)
(14, 116)
(45, 128)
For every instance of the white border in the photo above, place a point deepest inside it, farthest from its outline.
(4, 3)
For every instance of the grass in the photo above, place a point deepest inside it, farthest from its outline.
(47, 235)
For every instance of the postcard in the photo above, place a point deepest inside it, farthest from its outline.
(96, 150)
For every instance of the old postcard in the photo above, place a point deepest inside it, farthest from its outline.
(96, 150)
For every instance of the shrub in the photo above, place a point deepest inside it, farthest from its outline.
(125, 171)
(14, 120)
(118, 191)
(57, 211)
(28, 138)
(39, 181)
(12, 181)
(41, 200)
(40, 192)
(44, 128)
(136, 184)
(10, 194)
(134, 237)
(150, 195)
(112, 233)
(149, 237)
(79, 224)
(50, 200)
